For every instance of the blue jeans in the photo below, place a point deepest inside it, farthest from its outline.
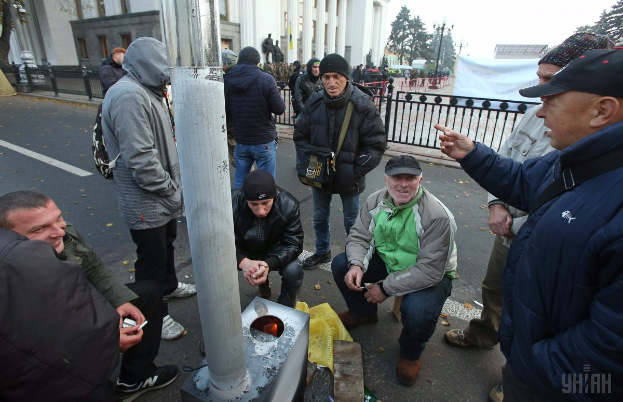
(419, 310)
(263, 155)
(322, 213)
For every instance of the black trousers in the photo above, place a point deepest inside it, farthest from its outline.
(155, 256)
(137, 362)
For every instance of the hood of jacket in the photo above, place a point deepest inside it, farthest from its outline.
(242, 77)
(146, 61)
(310, 64)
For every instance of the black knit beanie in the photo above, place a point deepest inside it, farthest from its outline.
(249, 54)
(259, 185)
(334, 63)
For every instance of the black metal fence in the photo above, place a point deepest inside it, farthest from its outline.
(59, 79)
(409, 116)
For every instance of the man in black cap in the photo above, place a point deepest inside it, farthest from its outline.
(528, 140)
(319, 124)
(562, 315)
(269, 235)
(402, 244)
(252, 97)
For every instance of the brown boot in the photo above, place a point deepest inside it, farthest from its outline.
(351, 322)
(407, 370)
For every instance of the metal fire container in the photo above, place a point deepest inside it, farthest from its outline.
(276, 339)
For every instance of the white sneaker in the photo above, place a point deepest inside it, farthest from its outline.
(183, 290)
(171, 329)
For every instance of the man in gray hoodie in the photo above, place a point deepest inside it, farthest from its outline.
(140, 141)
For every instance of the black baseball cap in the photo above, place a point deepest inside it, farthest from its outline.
(597, 72)
(403, 164)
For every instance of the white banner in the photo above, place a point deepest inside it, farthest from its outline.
(495, 78)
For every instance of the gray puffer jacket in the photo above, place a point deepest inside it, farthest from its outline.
(137, 127)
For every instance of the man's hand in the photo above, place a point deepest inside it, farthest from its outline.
(129, 309)
(453, 143)
(255, 272)
(129, 337)
(500, 220)
(375, 295)
(353, 277)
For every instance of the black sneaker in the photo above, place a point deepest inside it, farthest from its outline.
(163, 376)
(315, 260)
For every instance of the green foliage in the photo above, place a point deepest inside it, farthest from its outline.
(408, 38)
(447, 55)
(610, 23)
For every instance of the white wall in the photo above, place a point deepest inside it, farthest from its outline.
(58, 39)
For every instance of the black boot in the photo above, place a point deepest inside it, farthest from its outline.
(291, 283)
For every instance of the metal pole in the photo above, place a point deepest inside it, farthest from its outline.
(435, 86)
(192, 35)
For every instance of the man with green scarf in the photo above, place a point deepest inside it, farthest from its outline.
(402, 244)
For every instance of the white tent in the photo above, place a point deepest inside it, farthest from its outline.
(401, 67)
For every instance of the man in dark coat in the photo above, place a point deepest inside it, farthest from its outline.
(561, 325)
(319, 124)
(111, 70)
(252, 96)
(298, 71)
(307, 84)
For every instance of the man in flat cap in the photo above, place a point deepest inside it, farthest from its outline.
(402, 244)
(269, 235)
(319, 125)
(528, 140)
(561, 322)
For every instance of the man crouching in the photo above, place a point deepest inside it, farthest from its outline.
(402, 244)
(269, 235)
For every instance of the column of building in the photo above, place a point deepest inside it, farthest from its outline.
(293, 29)
(320, 26)
(307, 30)
(376, 33)
(247, 23)
(341, 28)
(332, 17)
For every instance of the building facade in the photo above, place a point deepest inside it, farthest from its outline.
(83, 32)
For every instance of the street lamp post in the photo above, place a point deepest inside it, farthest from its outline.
(439, 28)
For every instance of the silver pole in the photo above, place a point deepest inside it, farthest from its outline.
(192, 36)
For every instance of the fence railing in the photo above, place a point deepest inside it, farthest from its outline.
(409, 115)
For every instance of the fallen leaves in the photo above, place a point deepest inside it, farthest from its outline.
(468, 306)
(109, 224)
(317, 286)
(126, 262)
(381, 349)
(445, 323)
(443, 315)
(131, 269)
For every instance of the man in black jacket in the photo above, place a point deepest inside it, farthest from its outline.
(307, 84)
(111, 70)
(269, 235)
(298, 71)
(319, 125)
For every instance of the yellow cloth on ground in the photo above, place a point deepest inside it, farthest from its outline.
(6, 89)
(324, 327)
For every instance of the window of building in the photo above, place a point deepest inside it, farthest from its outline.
(314, 31)
(83, 48)
(126, 40)
(103, 46)
(226, 44)
(326, 33)
(79, 14)
(223, 10)
(124, 6)
(300, 27)
(285, 19)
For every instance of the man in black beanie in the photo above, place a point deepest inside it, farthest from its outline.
(319, 125)
(252, 96)
(269, 235)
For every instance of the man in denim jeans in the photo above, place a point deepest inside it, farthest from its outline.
(402, 244)
(319, 124)
(252, 96)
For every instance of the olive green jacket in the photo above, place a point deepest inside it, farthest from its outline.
(98, 274)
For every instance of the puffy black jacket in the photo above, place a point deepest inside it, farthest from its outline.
(59, 338)
(276, 239)
(251, 96)
(110, 73)
(319, 124)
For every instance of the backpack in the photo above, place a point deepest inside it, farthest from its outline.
(102, 161)
(103, 164)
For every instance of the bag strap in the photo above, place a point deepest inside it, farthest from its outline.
(578, 174)
(349, 113)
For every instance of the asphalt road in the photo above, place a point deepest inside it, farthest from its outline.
(62, 131)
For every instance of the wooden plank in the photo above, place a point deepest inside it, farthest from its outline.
(312, 369)
(348, 372)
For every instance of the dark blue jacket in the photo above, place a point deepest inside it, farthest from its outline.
(562, 316)
(251, 96)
